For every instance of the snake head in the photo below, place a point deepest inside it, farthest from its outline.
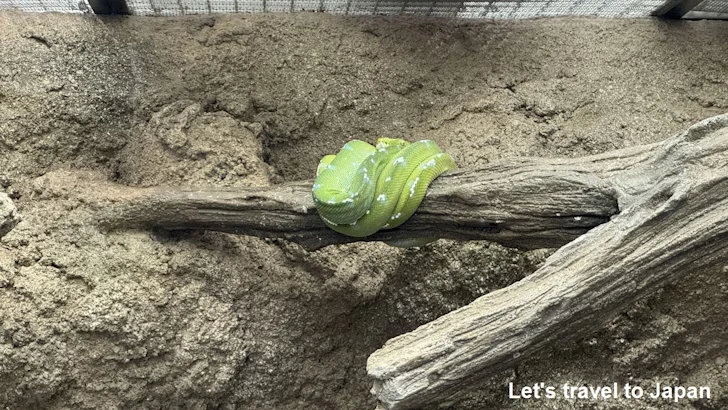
(387, 143)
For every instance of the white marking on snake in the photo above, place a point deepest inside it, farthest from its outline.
(430, 163)
(367, 212)
(397, 216)
(400, 160)
(329, 222)
(331, 201)
(387, 179)
(414, 185)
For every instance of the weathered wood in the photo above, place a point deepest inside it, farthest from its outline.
(528, 204)
(673, 219)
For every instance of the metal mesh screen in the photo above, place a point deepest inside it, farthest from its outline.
(717, 9)
(713, 6)
(61, 6)
(467, 9)
(496, 9)
(531, 9)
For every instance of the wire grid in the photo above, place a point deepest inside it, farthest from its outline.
(347, 7)
(496, 9)
(61, 6)
(552, 8)
(713, 6)
(466, 9)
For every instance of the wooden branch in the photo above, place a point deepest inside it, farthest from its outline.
(673, 198)
(529, 204)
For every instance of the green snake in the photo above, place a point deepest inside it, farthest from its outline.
(364, 188)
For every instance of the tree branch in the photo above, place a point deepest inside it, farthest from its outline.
(673, 220)
(532, 204)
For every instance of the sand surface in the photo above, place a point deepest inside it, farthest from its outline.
(205, 320)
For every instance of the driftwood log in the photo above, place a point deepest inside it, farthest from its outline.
(526, 203)
(673, 219)
(627, 221)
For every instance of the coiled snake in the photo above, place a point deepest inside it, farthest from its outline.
(364, 188)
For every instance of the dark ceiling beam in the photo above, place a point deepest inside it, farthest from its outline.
(676, 9)
(109, 6)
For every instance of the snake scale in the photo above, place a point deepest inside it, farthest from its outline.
(365, 188)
